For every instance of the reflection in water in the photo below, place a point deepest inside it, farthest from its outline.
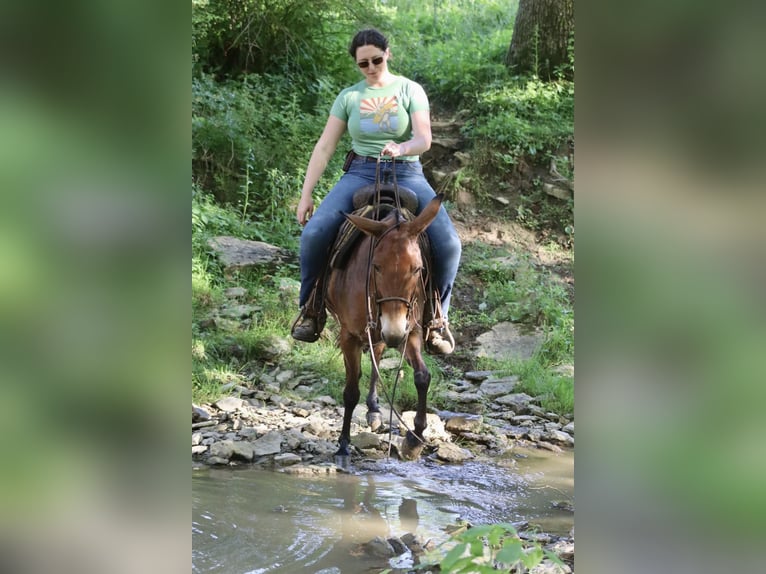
(257, 521)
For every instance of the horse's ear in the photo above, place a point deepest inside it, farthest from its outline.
(368, 226)
(418, 225)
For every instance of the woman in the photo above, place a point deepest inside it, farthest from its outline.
(387, 117)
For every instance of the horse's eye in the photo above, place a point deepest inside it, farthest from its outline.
(417, 270)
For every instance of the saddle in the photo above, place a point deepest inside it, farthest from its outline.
(376, 201)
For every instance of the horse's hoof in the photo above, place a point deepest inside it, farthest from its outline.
(411, 447)
(342, 461)
(374, 419)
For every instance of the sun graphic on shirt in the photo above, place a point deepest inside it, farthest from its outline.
(379, 110)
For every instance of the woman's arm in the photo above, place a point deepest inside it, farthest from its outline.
(320, 157)
(421, 137)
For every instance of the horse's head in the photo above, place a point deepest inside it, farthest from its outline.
(396, 267)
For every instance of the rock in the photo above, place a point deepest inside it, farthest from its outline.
(273, 347)
(569, 428)
(398, 546)
(199, 449)
(496, 388)
(217, 460)
(222, 449)
(196, 438)
(449, 452)
(239, 311)
(549, 567)
(549, 446)
(517, 401)
(379, 546)
(365, 440)
(229, 404)
(287, 459)
(311, 469)
(434, 429)
(478, 375)
(237, 254)
(270, 443)
(199, 414)
(284, 376)
(242, 451)
(507, 341)
(235, 292)
(557, 192)
(501, 200)
(560, 437)
(464, 423)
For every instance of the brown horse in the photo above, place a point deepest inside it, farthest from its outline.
(387, 264)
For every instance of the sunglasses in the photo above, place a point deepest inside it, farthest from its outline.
(366, 63)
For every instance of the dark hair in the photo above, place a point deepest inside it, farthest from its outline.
(369, 37)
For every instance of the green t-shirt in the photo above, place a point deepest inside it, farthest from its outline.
(376, 116)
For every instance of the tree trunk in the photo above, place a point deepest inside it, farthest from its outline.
(541, 36)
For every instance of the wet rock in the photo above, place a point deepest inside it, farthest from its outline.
(379, 546)
(222, 449)
(229, 404)
(270, 443)
(398, 546)
(496, 388)
(364, 440)
(416, 543)
(549, 446)
(434, 429)
(560, 437)
(217, 460)
(287, 459)
(242, 451)
(450, 452)
(311, 469)
(463, 423)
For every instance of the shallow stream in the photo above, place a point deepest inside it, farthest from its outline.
(256, 521)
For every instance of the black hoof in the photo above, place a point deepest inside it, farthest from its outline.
(411, 447)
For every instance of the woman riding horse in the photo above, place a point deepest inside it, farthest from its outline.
(388, 118)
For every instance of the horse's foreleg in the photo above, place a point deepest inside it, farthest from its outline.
(374, 418)
(414, 441)
(352, 354)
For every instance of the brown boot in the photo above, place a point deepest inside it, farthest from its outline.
(440, 341)
(307, 326)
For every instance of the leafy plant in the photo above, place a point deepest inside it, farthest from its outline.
(486, 549)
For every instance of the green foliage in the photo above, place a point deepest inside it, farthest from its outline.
(242, 129)
(456, 49)
(231, 38)
(486, 549)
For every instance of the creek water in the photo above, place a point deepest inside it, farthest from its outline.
(253, 521)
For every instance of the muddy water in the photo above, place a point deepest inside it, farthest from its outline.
(255, 521)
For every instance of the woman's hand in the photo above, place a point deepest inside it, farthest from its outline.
(305, 209)
(393, 149)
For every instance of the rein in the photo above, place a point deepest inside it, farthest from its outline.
(371, 320)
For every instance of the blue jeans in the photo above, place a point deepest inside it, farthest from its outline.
(320, 231)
